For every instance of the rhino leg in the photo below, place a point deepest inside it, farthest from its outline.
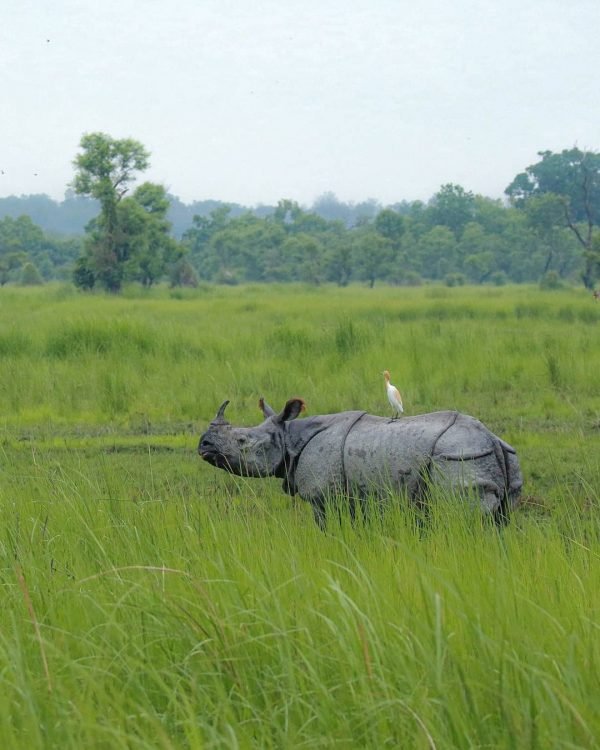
(319, 512)
(337, 503)
(475, 477)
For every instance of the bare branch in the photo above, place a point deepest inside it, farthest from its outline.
(573, 227)
(587, 204)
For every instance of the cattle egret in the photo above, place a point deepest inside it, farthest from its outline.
(393, 395)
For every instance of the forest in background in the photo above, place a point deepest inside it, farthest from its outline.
(103, 235)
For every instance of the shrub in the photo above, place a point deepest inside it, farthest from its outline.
(30, 276)
(550, 280)
(499, 278)
(412, 278)
(183, 274)
(455, 279)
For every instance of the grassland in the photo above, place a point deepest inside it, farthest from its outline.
(152, 601)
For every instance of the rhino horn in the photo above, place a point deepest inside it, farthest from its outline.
(220, 419)
(265, 408)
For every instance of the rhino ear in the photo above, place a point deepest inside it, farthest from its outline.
(265, 408)
(292, 408)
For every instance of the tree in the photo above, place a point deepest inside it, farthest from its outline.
(104, 171)
(30, 276)
(83, 275)
(331, 209)
(390, 225)
(182, 273)
(338, 261)
(573, 177)
(9, 264)
(545, 216)
(287, 212)
(21, 235)
(373, 255)
(144, 234)
(453, 207)
(197, 239)
(305, 258)
(437, 252)
(106, 167)
(328, 207)
(21, 241)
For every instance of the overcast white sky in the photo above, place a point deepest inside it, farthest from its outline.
(256, 101)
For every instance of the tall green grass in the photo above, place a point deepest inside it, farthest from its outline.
(513, 352)
(150, 600)
(142, 610)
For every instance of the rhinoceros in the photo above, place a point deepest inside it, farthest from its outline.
(360, 457)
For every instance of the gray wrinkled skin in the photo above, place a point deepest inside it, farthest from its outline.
(358, 456)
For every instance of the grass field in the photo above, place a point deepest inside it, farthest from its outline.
(150, 600)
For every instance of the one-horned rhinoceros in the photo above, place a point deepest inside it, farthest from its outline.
(359, 456)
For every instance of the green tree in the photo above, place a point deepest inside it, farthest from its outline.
(144, 234)
(21, 235)
(182, 273)
(305, 255)
(545, 216)
(479, 266)
(437, 252)
(104, 170)
(373, 255)
(593, 258)
(416, 220)
(453, 207)
(287, 212)
(476, 248)
(197, 239)
(390, 225)
(573, 177)
(262, 254)
(21, 241)
(339, 261)
(330, 208)
(83, 275)
(30, 276)
(224, 261)
(9, 263)
(491, 214)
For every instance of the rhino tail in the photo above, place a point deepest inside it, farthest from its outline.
(513, 479)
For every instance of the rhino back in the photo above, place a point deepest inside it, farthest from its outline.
(466, 438)
(368, 455)
(382, 454)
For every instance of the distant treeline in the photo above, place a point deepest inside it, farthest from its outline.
(71, 215)
(547, 233)
(108, 232)
(456, 237)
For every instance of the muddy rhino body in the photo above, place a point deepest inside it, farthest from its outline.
(359, 456)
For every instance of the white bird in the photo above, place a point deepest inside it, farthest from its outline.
(393, 395)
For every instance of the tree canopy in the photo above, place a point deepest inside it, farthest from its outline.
(23, 242)
(130, 238)
(570, 183)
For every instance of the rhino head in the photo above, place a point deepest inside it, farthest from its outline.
(250, 451)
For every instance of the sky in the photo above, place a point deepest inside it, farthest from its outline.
(255, 101)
